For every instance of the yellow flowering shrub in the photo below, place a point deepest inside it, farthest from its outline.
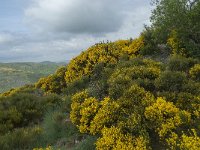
(77, 100)
(134, 47)
(133, 123)
(138, 72)
(108, 53)
(165, 116)
(190, 142)
(172, 141)
(53, 83)
(184, 141)
(195, 72)
(124, 76)
(118, 82)
(175, 44)
(88, 111)
(135, 99)
(107, 115)
(113, 138)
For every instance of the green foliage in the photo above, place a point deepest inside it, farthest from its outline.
(23, 138)
(178, 17)
(19, 110)
(76, 86)
(150, 44)
(23, 109)
(171, 81)
(56, 128)
(180, 63)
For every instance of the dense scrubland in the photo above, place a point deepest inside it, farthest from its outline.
(135, 94)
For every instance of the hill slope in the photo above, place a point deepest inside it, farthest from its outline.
(141, 94)
(18, 74)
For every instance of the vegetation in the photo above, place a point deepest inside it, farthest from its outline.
(130, 94)
(13, 75)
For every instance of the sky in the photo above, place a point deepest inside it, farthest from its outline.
(58, 30)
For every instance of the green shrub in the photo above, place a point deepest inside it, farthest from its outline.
(171, 81)
(169, 96)
(20, 110)
(147, 84)
(150, 46)
(117, 85)
(77, 85)
(180, 63)
(56, 127)
(22, 138)
(192, 87)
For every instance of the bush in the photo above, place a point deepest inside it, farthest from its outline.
(77, 100)
(171, 81)
(114, 138)
(147, 84)
(165, 117)
(20, 110)
(135, 99)
(98, 89)
(77, 85)
(23, 138)
(192, 87)
(180, 63)
(117, 85)
(55, 127)
(195, 72)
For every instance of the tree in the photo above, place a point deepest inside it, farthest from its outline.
(182, 17)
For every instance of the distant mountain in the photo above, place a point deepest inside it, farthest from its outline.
(18, 74)
(50, 62)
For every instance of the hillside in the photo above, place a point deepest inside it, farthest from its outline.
(136, 94)
(18, 74)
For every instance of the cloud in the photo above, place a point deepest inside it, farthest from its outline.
(37, 51)
(60, 29)
(76, 16)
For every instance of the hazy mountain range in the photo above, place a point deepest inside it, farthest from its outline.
(18, 74)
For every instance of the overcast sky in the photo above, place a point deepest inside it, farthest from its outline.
(58, 30)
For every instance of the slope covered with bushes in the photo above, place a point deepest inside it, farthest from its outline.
(129, 94)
